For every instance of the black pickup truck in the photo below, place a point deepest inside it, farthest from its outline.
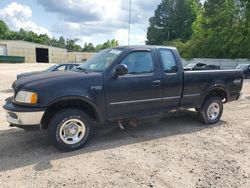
(117, 84)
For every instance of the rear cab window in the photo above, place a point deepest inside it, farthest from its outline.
(168, 61)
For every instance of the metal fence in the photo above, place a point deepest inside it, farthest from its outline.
(223, 63)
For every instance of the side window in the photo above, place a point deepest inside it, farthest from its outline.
(139, 63)
(70, 67)
(169, 61)
(61, 68)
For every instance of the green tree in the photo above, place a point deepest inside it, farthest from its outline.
(3, 30)
(114, 43)
(221, 30)
(44, 39)
(244, 28)
(72, 46)
(88, 47)
(108, 44)
(215, 33)
(61, 42)
(173, 19)
(54, 42)
(98, 48)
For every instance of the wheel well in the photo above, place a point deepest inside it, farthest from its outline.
(219, 93)
(71, 103)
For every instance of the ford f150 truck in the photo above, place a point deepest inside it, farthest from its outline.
(117, 84)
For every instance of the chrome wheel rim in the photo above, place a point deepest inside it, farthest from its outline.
(213, 111)
(72, 131)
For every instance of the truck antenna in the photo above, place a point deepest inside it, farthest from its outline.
(129, 21)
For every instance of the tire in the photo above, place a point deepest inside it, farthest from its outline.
(70, 129)
(211, 111)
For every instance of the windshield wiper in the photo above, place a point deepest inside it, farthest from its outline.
(82, 69)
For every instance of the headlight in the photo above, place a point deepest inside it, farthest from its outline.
(26, 97)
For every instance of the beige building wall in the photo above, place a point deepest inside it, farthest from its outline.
(28, 50)
(78, 56)
(16, 48)
(57, 55)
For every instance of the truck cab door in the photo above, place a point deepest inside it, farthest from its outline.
(137, 93)
(172, 78)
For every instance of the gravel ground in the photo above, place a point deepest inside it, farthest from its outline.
(171, 151)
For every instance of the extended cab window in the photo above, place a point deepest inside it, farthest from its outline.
(139, 62)
(168, 61)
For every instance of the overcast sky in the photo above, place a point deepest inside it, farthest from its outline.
(89, 20)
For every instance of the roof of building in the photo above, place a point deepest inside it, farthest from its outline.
(33, 43)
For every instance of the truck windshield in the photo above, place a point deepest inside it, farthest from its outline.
(101, 61)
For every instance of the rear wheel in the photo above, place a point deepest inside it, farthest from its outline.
(211, 110)
(70, 129)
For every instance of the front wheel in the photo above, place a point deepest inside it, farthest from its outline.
(211, 110)
(70, 129)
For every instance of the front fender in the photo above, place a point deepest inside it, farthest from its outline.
(85, 99)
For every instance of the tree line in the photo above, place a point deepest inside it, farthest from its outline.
(69, 44)
(215, 29)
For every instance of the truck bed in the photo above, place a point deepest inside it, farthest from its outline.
(196, 85)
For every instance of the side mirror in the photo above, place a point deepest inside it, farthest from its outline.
(121, 70)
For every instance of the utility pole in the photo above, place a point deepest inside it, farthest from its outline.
(129, 21)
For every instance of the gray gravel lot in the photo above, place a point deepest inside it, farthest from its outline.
(168, 151)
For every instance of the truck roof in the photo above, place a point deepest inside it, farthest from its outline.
(147, 46)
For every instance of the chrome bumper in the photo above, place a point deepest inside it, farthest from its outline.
(24, 118)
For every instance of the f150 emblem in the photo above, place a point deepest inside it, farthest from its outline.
(237, 81)
(96, 87)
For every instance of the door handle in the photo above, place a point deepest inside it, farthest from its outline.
(156, 83)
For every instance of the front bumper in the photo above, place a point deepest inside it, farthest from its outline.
(24, 116)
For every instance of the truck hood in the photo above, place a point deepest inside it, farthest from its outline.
(21, 75)
(51, 78)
